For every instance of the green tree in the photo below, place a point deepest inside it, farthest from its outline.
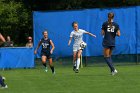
(15, 20)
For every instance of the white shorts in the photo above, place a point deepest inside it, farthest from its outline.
(76, 48)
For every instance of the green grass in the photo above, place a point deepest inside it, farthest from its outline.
(89, 80)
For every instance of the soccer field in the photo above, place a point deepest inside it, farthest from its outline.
(89, 80)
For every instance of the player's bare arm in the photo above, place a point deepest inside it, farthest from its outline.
(69, 41)
(52, 44)
(90, 34)
(37, 47)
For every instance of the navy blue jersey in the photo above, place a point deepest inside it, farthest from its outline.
(110, 33)
(45, 45)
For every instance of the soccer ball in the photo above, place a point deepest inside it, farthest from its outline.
(83, 45)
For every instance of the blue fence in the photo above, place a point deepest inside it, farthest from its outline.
(59, 27)
(16, 57)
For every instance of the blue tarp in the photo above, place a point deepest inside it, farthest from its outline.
(59, 27)
(138, 29)
(16, 57)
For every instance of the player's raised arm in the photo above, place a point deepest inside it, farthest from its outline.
(52, 44)
(90, 34)
(37, 47)
(69, 41)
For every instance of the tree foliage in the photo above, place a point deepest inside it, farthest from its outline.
(15, 20)
(79, 4)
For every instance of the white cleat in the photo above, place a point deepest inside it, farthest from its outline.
(114, 72)
(4, 87)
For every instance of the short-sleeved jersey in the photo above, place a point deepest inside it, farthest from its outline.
(78, 36)
(45, 45)
(110, 33)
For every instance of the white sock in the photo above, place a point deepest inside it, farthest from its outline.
(78, 63)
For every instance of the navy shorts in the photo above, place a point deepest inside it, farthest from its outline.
(47, 54)
(110, 47)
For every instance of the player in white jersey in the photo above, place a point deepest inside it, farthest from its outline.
(77, 35)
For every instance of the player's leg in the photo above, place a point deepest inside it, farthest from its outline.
(74, 59)
(110, 53)
(107, 52)
(78, 60)
(44, 58)
(51, 65)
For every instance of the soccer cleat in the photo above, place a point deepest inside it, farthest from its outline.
(76, 71)
(114, 72)
(46, 69)
(4, 87)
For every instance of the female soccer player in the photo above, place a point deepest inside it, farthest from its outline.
(110, 30)
(77, 34)
(46, 52)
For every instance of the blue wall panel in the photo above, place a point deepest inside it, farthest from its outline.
(16, 57)
(59, 27)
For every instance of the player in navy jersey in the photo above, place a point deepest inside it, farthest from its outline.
(77, 35)
(109, 31)
(46, 52)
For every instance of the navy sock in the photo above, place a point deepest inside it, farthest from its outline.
(44, 64)
(109, 63)
(2, 82)
(112, 63)
(52, 68)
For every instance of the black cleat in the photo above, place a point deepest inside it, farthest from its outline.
(76, 71)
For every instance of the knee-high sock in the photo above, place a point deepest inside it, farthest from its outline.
(44, 64)
(78, 63)
(52, 68)
(109, 63)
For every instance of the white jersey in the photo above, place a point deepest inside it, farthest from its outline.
(78, 36)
